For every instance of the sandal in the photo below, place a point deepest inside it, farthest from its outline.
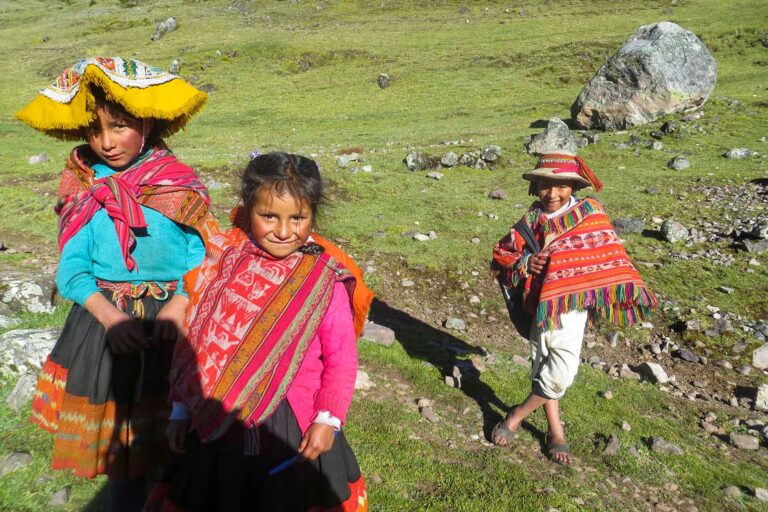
(555, 448)
(501, 432)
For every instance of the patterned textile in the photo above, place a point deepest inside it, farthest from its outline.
(252, 318)
(587, 268)
(157, 181)
(65, 107)
(357, 502)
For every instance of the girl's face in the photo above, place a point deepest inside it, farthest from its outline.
(554, 194)
(116, 139)
(280, 224)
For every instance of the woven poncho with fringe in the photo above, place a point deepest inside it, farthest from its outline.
(588, 268)
(65, 107)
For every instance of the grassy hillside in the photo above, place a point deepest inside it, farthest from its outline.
(301, 76)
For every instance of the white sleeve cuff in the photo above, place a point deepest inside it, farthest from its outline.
(179, 412)
(325, 418)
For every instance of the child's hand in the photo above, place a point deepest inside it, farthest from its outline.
(536, 263)
(169, 319)
(124, 333)
(317, 440)
(177, 435)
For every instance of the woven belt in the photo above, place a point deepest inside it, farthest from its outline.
(121, 290)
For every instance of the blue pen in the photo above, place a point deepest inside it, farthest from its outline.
(289, 462)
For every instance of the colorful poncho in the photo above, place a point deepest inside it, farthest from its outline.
(588, 268)
(157, 180)
(250, 320)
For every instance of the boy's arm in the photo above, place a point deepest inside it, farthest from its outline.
(510, 260)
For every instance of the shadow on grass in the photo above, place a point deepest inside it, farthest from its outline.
(427, 343)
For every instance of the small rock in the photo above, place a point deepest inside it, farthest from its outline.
(362, 381)
(475, 240)
(428, 414)
(739, 153)
(626, 427)
(653, 372)
(451, 382)
(163, 28)
(59, 498)
(432, 235)
(421, 237)
(435, 175)
(521, 361)
(732, 491)
(449, 159)
(613, 445)
(710, 417)
(379, 334)
(416, 161)
(761, 397)
(744, 369)
(761, 494)
(660, 445)
(383, 80)
(673, 231)
(669, 127)
(490, 153)
(628, 225)
(456, 324)
(407, 283)
(755, 247)
(15, 461)
(744, 441)
(497, 194)
(613, 339)
(725, 289)
(679, 163)
(760, 357)
(607, 394)
(687, 355)
(627, 373)
(375, 479)
(710, 428)
(175, 67)
(557, 136)
(474, 299)
(38, 159)
(22, 392)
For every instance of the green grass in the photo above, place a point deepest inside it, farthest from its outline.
(304, 80)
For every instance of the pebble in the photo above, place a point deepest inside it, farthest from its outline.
(744, 369)
(521, 361)
(435, 175)
(679, 163)
(475, 240)
(15, 461)
(497, 194)
(421, 237)
(625, 426)
(38, 159)
(660, 445)
(732, 491)
(428, 414)
(383, 80)
(725, 289)
(653, 372)
(744, 441)
(362, 381)
(474, 299)
(761, 494)
(455, 323)
(60, 498)
(607, 394)
(613, 445)
(407, 283)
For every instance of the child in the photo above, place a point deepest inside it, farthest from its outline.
(582, 270)
(131, 218)
(269, 366)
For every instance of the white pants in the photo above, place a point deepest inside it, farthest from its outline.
(555, 355)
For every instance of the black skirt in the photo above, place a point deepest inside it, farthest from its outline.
(218, 476)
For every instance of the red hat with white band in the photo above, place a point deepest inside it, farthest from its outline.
(564, 165)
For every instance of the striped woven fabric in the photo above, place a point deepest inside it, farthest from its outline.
(588, 268)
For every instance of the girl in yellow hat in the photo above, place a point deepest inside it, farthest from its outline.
(132, 220)
(561, 264)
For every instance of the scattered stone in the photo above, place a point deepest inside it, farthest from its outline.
(449, 159)
(27, 292)
(407, 283)
(362, 381)
(693, 116)
(627, 373)
(739, 153)
(761, 494)
(687, 355)
(660, 445)
(760, 357)
(456, 324)
(744, 369)
(626, 427)
(421, 237)
(673, 231)
(164, 27)
(556, 137)
(613, 445)
(653, 372)
(451, 382)
(416, 161)
(661, 69)
(490, 153)
(613, 338)
(383, 80)
(656, 145)
(475, 240)
(692, 325)
(345, 160)
(759, 231)
(15, 461)
(378, 334)
(761, 398)
(679, 163)
(497, 194)
(592, 137)
(22, 392)
(521, 361)
(744, 441)
(607, 394)
(755, 247)
(432, 235)
(60, 498)
(732, 491)
(175, 67)
(435, 175)
(710, 428)
(628, 225)
(428, 414)
(25, 350)
(474, 299)
(669, 128)
(375, 479)
(38, 159)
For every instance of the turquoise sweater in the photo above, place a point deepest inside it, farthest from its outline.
(164, 253)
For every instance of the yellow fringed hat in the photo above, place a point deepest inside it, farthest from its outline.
(65, 107)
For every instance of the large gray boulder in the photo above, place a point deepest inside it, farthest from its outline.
(25, 350)
(661, 69)
(27, 292)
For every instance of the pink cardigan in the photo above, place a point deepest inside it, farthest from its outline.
(325, 381)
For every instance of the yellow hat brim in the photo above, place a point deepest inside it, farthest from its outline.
(173, 102)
